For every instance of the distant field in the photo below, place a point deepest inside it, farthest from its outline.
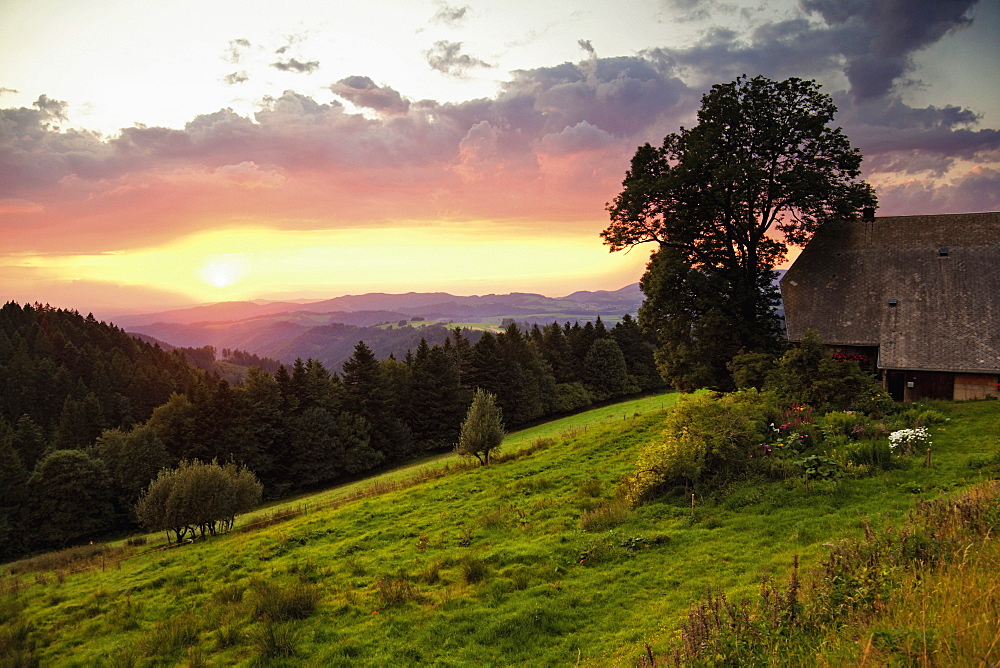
(528, 561)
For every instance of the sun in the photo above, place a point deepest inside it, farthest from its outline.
(222, 272)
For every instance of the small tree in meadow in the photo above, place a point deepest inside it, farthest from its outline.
(198, 496)
(483, 430)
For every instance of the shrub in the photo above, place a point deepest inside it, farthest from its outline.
(200, 495)
(707, 436)
(873, 454)
(918, 417)
(850, 424)
(808, 375)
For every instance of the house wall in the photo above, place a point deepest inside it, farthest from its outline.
(976, 386)
(919, 385)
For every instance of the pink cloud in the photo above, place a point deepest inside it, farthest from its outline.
(552, 145)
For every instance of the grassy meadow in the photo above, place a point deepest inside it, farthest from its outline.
(530, 560)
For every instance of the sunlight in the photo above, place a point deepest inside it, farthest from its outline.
(222, 274)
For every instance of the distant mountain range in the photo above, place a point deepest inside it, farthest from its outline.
(328, 330)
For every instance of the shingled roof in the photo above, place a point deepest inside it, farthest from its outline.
(924, 289)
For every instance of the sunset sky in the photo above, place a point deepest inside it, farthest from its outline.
(158, 154)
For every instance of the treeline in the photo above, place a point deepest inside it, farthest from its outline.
(130, 409)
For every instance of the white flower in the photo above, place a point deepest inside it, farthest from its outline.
(909, 437)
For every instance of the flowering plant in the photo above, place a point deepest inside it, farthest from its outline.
(785, 440)
(906, 440)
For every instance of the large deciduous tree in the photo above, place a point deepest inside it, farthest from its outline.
(762, 168)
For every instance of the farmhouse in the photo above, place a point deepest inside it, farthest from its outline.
(917, 298)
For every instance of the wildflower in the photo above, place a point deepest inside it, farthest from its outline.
(906, 439)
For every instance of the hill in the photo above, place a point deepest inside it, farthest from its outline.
(378, 307)
(526, 561)
(329, 329)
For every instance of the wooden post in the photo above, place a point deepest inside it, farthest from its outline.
(692, 505)
(927, 460)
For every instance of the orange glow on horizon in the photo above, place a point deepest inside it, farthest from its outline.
(261, 263)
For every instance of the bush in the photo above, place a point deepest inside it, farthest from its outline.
(706, 437)
(207, 496)
(873, 454)
(808, 375)
(918, 417)
(849, 424)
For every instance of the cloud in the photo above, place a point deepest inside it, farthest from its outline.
(234, 52)
(449, 15)
(977, 190)
(552, 144)
(294, 65)
(447, 57)
(898, 138)
(5, 91)
(878, 37)
(55, 109)
(363, 92)
(248, 175)
(575, 139)
(236, 78)
(697, 10)
(12, 206)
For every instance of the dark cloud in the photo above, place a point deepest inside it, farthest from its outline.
(879, 37)
(447, 57)
(4, 91)
(54, 109)
(553, 139)
(236, 78)
(451, 15)
(898, 138)
(294, 65)
(587, 47)
(363, 92)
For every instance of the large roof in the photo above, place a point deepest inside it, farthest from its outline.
(924, 289)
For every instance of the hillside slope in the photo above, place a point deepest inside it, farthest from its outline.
(526, 561)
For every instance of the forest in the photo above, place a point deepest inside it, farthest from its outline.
(89, 415)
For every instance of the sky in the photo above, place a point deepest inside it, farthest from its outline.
(160, 154)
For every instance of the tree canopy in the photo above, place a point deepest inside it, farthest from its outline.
(762, 168)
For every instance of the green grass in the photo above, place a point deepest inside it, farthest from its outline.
(527, 561)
